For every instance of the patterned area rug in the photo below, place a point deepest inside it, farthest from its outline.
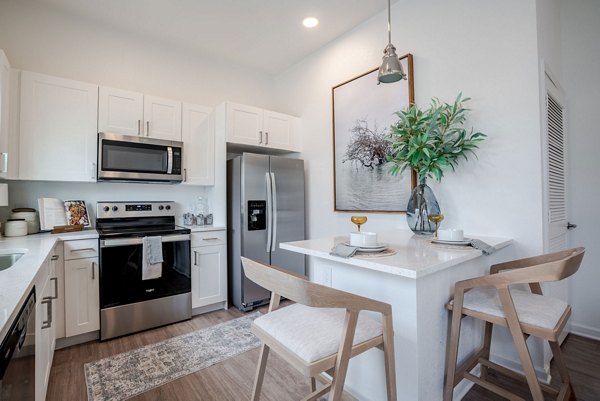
(125, 375)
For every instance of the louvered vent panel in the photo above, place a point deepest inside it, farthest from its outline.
(556, 162)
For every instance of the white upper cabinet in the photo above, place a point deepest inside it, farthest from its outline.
(58, 129)
(198, 137)
(4, 96)
(279, 130)
(132, 113)
(120, 111)
(247, 125)
(162, 118)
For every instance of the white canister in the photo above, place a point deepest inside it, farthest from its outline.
(15, 228)
(31, 218)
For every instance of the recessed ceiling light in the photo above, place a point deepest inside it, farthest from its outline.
(310, 22)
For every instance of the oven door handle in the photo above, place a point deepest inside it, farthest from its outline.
(107, 243)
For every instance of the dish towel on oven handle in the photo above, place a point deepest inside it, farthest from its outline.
(152, 258)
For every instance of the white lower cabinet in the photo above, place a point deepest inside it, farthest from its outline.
(44, 329)
(82, 289)
(209, 269)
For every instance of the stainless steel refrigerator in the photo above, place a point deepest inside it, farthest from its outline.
(265, 197)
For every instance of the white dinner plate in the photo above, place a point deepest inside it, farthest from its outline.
(465, 241)
(366, 248)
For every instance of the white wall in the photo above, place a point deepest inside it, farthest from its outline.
(460, 46)
(38, 38)
(580, 31)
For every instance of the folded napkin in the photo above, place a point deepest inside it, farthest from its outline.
(486, 248)
(152, 258)
(344, 251)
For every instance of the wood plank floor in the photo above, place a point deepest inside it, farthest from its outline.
(231, 380)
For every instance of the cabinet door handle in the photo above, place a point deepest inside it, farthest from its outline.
(55, 279)
(93, 170)
(93, 270)
(54, 257)
(259, 136)
(48, 323)
(148, 128)
(139, 127)
(184, 174)
(266, 138)
(195, 258)
(4, 163)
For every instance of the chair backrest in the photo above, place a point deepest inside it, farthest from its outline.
(548, 267)
(298, 289)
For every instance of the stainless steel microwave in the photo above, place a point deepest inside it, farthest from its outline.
(133, 158)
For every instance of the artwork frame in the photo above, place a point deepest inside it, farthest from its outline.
(360, 108)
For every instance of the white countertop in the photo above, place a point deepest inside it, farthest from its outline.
(196, 229)
(415, 256)
(17, 281)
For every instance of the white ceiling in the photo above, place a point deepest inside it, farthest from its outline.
(266, 35)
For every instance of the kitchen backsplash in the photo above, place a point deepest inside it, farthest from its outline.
(26, 194)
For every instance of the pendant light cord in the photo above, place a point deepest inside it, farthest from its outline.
(389, 22)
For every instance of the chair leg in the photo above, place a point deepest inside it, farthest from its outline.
(487, 345)
(260, 372)
(562, 368)
(519, 340)
(389, 357)
(343, 357)
(452, 353)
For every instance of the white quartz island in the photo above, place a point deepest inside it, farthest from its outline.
(417, 281)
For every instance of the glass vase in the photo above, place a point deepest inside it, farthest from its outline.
(421, 204)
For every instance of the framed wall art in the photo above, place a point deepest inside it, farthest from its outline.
(363, 112)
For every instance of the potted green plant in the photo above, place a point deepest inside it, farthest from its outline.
(430, 141)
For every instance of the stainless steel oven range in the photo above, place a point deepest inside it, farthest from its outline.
(131, 299)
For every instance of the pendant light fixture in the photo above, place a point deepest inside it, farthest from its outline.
(391, 69)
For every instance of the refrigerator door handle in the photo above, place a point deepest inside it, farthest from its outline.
(274, 213)
(269, 215)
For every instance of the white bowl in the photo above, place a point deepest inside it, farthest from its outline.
(364, 238)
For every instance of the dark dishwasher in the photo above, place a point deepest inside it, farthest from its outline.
(17, 356)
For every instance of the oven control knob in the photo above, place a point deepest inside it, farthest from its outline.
(115, 208)
(168, 207)
(106, 208)
(160, 207)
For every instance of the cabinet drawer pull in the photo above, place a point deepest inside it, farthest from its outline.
(55, 279)
(48, 323)
(211, 239)
(54, 257)
(83, 250)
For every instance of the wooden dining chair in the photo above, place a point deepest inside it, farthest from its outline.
(525, 313)
(320, 332)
